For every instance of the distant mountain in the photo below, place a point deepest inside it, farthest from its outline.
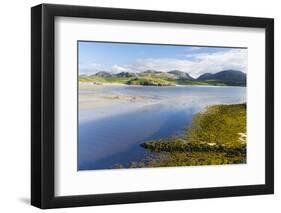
(180, 75)
(152, 72)
(205, 76)
(103, 74)
(231, 77)
(173, 77)
(125, 74)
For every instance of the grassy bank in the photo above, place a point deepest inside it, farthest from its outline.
(149, 80)
(215, 136)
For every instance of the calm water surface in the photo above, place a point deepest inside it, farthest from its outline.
(115, 120)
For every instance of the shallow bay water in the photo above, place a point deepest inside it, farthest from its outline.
(114, 120)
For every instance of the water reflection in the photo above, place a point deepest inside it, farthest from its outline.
(114, 120)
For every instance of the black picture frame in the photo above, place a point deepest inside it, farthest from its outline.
(43, 102)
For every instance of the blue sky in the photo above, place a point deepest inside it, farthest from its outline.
(125, 57)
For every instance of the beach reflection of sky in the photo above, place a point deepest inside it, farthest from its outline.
(111, 133)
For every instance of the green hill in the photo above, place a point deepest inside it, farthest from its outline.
(175, 77)
(231, 77)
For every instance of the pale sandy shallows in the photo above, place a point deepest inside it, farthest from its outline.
(90, 97)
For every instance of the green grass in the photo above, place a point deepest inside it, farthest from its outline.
(99, 79)
(220, 125)
(149, 80)
(94, 79)
(216, 136)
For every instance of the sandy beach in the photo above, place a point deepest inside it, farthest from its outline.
(95, 96)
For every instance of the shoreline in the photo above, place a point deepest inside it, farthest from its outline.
(91, 84)
(103, 97)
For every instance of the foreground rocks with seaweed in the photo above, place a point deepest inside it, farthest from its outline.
(216, 136)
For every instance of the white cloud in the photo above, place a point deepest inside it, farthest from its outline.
(116, 69)
(193, 49)
(196, 65)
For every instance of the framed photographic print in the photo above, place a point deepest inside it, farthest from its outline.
(139, 106)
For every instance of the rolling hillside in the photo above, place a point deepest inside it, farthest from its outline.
(231, 77)
(174, 77)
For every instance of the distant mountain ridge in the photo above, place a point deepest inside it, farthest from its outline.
(177, 74)
(173, 77)
(180, 74)
(233, 76)
(125, 74)
(103, 74)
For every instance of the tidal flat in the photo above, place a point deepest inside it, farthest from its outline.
(114, 120)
